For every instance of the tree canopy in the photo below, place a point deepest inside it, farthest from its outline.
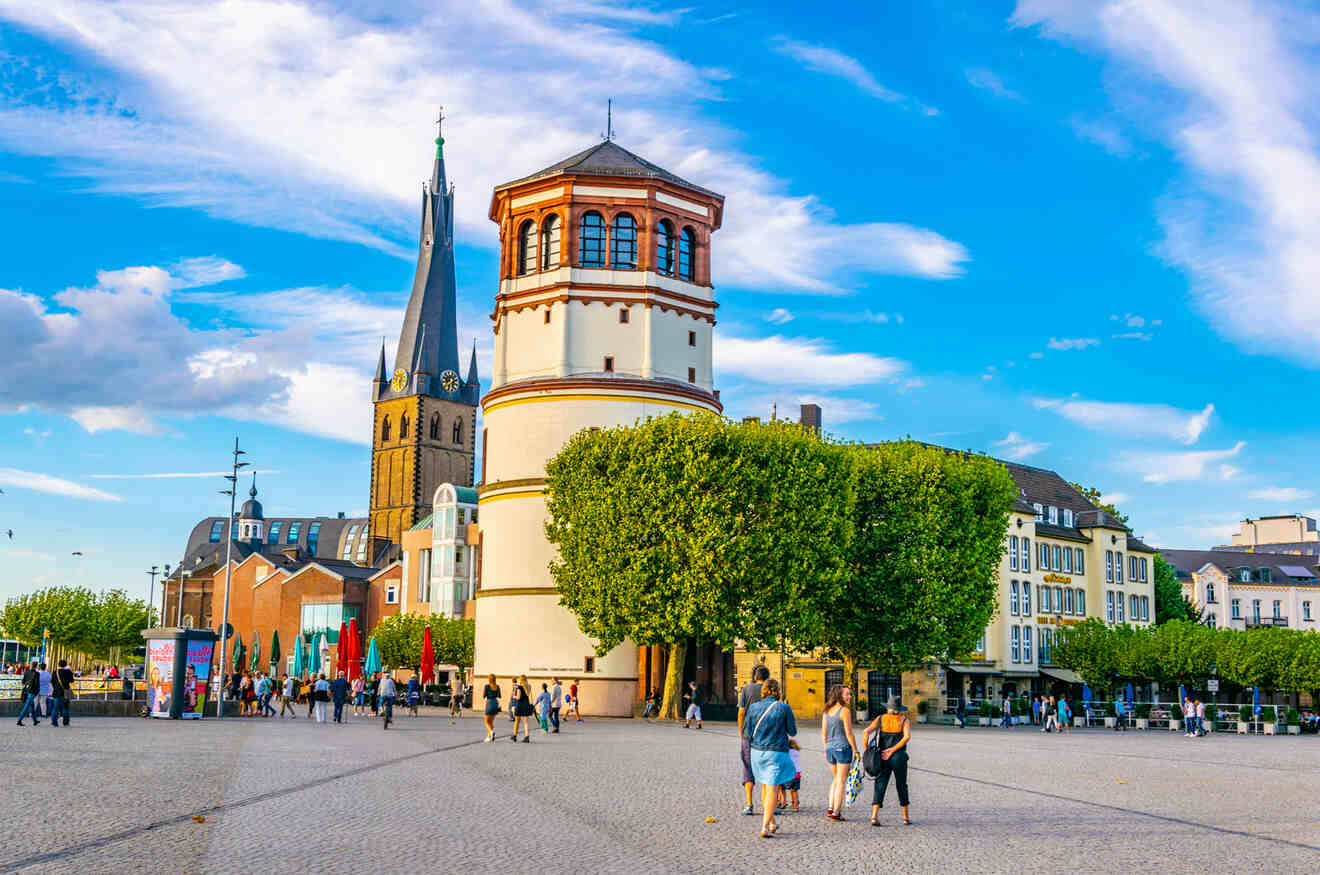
(81, 622)
(694, 529)
(399, 639)
(1093, 495)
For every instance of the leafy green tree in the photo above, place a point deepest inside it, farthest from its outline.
(1170, 603)
(1090, 649)
(1302, 673)
(924, 560)
(1093, 495)
(81, 623)
(453, 640)
(399, 639)
(692, 529)
(1184, 651)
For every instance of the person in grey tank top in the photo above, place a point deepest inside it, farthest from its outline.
(836, 735)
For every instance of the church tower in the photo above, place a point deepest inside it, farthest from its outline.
(424, 424)
(604, 316)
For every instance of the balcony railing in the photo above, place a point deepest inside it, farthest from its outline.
(1267, 621)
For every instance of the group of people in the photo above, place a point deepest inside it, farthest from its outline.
(1193, 717)
(545, 708)
(254, 690)
(53, 689)
(771, 755)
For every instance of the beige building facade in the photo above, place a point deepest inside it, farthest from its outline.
(1273, 530)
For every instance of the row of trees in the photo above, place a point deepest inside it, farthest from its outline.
(1184, 651)
(695, 529)
(83, 625)
(399, 639)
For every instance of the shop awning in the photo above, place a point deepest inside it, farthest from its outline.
(1066, 675)
(973, 669)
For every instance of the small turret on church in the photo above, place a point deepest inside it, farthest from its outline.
(425, 412)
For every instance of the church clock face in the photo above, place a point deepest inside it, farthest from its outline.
(399, 380)
(449, 380)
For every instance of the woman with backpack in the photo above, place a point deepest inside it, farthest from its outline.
(768, 725)
(836, 735)
(889, 756)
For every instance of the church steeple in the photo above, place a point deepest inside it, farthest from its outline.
(472, 366)
(433, 302)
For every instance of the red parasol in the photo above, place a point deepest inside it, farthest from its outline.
(341, 652)
(354, 646)
(428, 658)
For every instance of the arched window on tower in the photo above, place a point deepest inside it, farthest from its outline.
(550, 243)
(664, 248)
(527, 248)
(385, 429)
(623, 242)
(591, 244)
(403, 427)
(686, 242)
(458, 431)
(435, 427)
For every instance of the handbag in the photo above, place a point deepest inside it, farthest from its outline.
(854, 787)
(871, 758)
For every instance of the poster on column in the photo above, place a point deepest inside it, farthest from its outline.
(160, 676)
(197, 674)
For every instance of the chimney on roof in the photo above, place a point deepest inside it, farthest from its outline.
(810, 417)
(341, 514)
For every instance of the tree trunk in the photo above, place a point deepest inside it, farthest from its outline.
(671, 707)
(850, 677)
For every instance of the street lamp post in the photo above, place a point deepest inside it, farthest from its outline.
(151, 591)
(232, 492)
(179, 611)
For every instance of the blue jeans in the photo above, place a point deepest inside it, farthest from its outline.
(339, 710)
(554, 718)
(387, 707)
(264, 706)
(61, 706)
(30, 706)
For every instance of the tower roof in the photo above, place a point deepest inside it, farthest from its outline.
(608, 158)
(251, 509)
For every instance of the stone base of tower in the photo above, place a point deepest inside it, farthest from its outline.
(522, 632)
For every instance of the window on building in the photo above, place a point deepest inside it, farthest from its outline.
(435, 427)
(316, 619)
(1109, 605)
(1040, 511)
(1306, 611)
(458, 559)
(348, 542)
(588, 664)
(1025, 556)
(1236, 607)
(457, 434)
(1210, 594)
(385, 429)
(692, 375)
(446, 564)
(591, 240)
(1044, 594)
(1067, 518)
(1265, 575)
(1043, 560)
(1026, 644)
(1255, 610)
(546, 316)
(1143, 570)
(609, 364)
(1026, 599)
(664, 247)
(1058, 600)
(1046, 643)
(1132, 568)
(1109, 566)
(1012, 552)
(980, 643)
(1212, 621)
(1134, 608)
(313, 537)
(273, 535)
(1145, 607)
(1013, 598)
(1118, 607)
(364, 540)
(1244, 574)
(1058, 559)
(392, 594)
(423, 575)
(623, 242)
(1079, 561)
(686, 243)
(550, 243)
(1069, 601)
(1054, 515)
(692, 338)
(217, 529)
(1118, 567)
(1278, 609)
(1081, 603)
(295, 529)
(623, 315)
(1067, 559)
(1015, 642)
(404, 422)
(527, 248)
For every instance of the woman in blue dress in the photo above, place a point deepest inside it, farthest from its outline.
(768, 725)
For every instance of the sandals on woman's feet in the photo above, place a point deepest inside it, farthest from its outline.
(766, 834)
(907, 822)
(874, 822)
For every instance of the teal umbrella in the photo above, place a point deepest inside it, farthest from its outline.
(373, 658)
(299, 666)
(316, 654)
(275, 652)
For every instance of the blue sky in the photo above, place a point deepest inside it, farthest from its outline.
(1081, 235)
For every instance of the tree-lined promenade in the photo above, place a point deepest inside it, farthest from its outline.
(78, 624)
(695, 529)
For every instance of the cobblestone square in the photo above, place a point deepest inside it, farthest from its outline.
(121, 795)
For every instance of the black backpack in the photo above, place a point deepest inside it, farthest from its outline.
(871, 757)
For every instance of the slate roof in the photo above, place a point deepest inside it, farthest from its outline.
(201, 552)
(1185, 562)
(608, 158)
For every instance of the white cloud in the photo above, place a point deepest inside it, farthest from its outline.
(988, 80)
(778, 316)
(185, 120)
(1134, 335)
(1283, 494)
(822, 59)
(1016, 447)
(864, 316)
(1114, 498)
(1132, 420)
(1104, 134)
(52, 485)
(130, 418)
(1064, 343)
(1169, 467)
(27, 554)
(1229, 87)
(1036, 355)
(801, 362)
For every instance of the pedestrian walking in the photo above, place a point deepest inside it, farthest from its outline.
(46, 687)
(62, 687)
(961, 713)
(339, 695)
(543, 708)
(359, 697)
(768, 727)
(1189, 716)
(556, 702)
(1064, 712)
(247, 690)
(373, 689)
(31, 687)
(693, 696)
(1048, 709)
(414, 694)
(892, 731)
(522, 711)
(1006, 717)
(289, 697)
(1200, 718)
(1120, 721)
(309, 695)
(321, 694)
(491, 694)
(836, 736)
(387, 692)
(575, 706)
(456, 701)
(1035, 710)
(747, 696)
(649, 705)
